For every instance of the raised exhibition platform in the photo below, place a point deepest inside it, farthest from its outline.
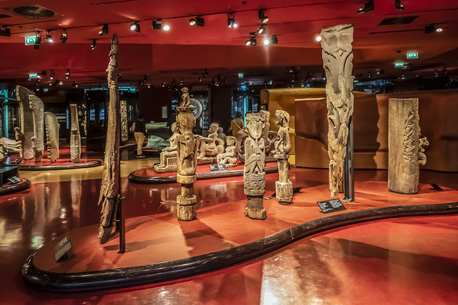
(150, 176)
(160, 248)
(60, 164)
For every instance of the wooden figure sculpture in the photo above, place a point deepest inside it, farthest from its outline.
(405, 147)
(38, 127)
(254, 171)
(230, 156)
(185, 100)
(211, 146)
(75, 137)
(110, 190)
(337, 53)
(124, 125)
(8, 145)
(283, 187)
(52, 136)
(186, 163)
(169, 154)
(24, 132)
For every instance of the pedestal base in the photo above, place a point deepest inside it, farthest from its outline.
(284, 192)
(255, 208)
(186, 208)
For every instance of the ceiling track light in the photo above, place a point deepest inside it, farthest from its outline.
(274, 39)
(368, 6)
(49, 38)
(262, 16)
(135, 27)
(431, 28)
(198, 21)
(52, 75)
(104, 30)
(67, 73)
(63, 36)
(37, 44)
(5, 32)
(94, 44)
(157, 24)
(398, 5)
(262, 29)
(231, 21)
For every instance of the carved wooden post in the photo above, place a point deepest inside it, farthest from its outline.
(75, 137)
(405, 151)
(336, 43)
(186, 162)
(52, 136)
(24, 132)
(110, 189)
(254, 171)
(124, 127)
(283, 187)
(36, 104)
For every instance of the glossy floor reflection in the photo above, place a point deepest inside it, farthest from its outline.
(398, 261)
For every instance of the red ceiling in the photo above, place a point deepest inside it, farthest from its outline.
(185, 50)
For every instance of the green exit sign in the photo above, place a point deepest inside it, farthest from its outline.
(240, 75)
(30, 40)
(399, 64)
(412, 55)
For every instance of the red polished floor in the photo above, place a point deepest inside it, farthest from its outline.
(399, 261)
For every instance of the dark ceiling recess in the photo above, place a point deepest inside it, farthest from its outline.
(4, 16)
(398, 20)
(33, 11)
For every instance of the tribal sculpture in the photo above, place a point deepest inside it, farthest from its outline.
(230, 156)
(211, 146)
(186, 163)
(75, 137)
(7, 145)
(405, 147)
(254, 175)
(124, 127)
(185, 99)
(169, 154)
(38, 123)
(24, 132)
(283, 187)
(336, 43)
(52, 136)
(110, 189)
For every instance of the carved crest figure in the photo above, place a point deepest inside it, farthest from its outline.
(124, 127)
(283, 187)
(168, 158)
(254, 170)
(230, 156)
(337, 53)
(75, 137)
(38, 126)
(185, 99)
(212, 145)
(24, 133)
(52, 136)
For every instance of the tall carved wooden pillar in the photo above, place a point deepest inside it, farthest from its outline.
(337, 53)
(186, 163)
(36, 104)
(52, 136)
(24, 133)
(75, 137)
(283, 187)
(254, 174)
(405, 147)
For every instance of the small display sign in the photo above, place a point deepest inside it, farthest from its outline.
(63, 250)
(240, 75)
(399, 64)
(412, 55)
(33, 75)
(30, 40)
(218, 167)
(332, 205)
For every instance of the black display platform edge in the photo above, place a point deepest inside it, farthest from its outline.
(200, 176)
(70, 165)
(188, 267)
(13, 188)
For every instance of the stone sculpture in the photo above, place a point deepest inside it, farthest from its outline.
(254, 171)
(124, 127)
(38, 126)
(211, 146)
(75, 137)
(405, 147)
(52, 136)
(186, 163)
(24, 132)
(283, 187)
(110, 191)
(337, 53)
(229, 158)
(185, 99)
(169, 154)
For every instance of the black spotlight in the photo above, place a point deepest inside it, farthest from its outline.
(231, 21)
(67, 74)
(135, 27)
(262, 16)
(94, 44)
(63, 36)
(274, 39)
(398, 5)
(262, 29)
(368, 6)
(52, 75)
(253, 41)
(104, 30)
(431, 28)
(199, 21)
(157, 24)
(5, 32)
(37, 44)
(49, 38)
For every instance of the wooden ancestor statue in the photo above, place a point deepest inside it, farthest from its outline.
(283, 187)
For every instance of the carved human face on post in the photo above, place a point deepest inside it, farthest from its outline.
(282, 118)
(255, 124)
(213, 128)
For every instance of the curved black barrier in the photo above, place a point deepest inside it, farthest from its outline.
(13, 188)
(59, 166)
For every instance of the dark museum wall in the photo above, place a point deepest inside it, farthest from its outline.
(221, 103)
(151, 101)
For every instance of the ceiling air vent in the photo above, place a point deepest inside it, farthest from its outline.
(33, 11)
(398, 20)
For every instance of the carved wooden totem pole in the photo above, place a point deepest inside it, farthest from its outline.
(24, 133)
(124, 127)
(110, 190)
(283, 187)
(75, 137)
(37, 107)
(337, 53)
(186, 161)
(254, 171)
(52, 136)
(405, 147)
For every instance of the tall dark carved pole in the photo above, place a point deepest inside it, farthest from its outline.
(111, 187)
(337, 53)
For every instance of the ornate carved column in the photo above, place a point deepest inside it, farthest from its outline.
(24, 132)
(124, 127)
(337, 53)
(254, 175)
(36, 104)
(75, 137)
(405, 147)
(283, 187)
(52, 136)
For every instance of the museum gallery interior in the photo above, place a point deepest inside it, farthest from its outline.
(228, 152)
